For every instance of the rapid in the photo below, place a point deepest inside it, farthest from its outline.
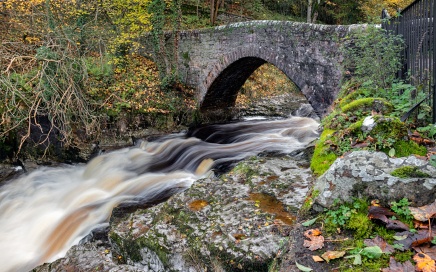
(45, 212)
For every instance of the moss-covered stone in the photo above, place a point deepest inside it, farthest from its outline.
(409, 172)
(369, 104)
(357, 94)
(323, 156)
(407, 148)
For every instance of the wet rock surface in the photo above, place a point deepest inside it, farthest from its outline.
(368, 174)
(236, 222)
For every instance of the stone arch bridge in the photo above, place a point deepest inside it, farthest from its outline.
(217, 61)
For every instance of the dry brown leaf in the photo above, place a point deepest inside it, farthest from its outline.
(382, 244)
(424, 263)
(330, 255)
(395, 266)
(380, 213)
(316, 239)
(424, 213)
(317, 258)
(396, 225)
(429, 251)
(414, 239)
(312, 232)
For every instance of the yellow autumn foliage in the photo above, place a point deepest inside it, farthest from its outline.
(372, 8)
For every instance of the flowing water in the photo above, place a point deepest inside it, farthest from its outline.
(47, 211)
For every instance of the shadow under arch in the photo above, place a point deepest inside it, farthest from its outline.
(224, 89)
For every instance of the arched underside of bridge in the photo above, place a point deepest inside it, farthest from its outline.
(224, 89)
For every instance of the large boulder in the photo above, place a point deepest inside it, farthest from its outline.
(369, 174)
(238, 222)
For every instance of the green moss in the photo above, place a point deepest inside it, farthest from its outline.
(368, 104)
(152, 244)
(403, 256)
(322, 157)
(355, 128)
(357, 94)
(407, 148)
(409, 172)
(308, 202)
(360, 224)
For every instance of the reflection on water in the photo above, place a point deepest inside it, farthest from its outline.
(45, 212)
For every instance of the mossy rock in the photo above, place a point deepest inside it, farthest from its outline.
(389, 129)
(323, 156)
(367, 105)
(407, 148)
(357, 94)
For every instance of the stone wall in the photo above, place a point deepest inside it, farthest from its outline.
(217, 61)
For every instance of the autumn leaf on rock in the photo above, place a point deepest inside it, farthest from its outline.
(316, 239)
(424, 213)
(382, 244)
(424, 263)
(330, 255)
(395, 266)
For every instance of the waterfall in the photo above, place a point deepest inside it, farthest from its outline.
(48, 210)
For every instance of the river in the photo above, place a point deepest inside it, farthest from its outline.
(47, 211)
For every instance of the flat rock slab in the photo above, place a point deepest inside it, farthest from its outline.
(368, 174)
(218, 224)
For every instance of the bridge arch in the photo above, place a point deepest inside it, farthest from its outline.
(223, 90)
(217, 61)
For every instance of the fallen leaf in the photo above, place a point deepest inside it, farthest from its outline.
(424, 263)
(303, 268)
(317, 258)
(357, 259)
(413, 239)
(396, 225)
(309, 222)
(395, 266)
(429, 251)
(380, 213)
(378, 241)
(399, 238)
(372, 252)
(330, 255)
(312, 232)
(424, 213)
(316, 239)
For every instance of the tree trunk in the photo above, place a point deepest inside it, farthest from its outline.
(212, 12)
(214, 7)
(309, 11)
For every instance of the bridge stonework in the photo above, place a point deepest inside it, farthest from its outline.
(217, 61)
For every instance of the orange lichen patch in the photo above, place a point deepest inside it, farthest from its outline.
(239, 236)
(272, 205)
(197, 205)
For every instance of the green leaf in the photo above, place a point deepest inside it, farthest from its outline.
(372, 252)
(400, 238)
(303, 268)
(392, 152)
(309, 222)
(357, 259)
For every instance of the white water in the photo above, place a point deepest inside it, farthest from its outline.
(47, 211)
